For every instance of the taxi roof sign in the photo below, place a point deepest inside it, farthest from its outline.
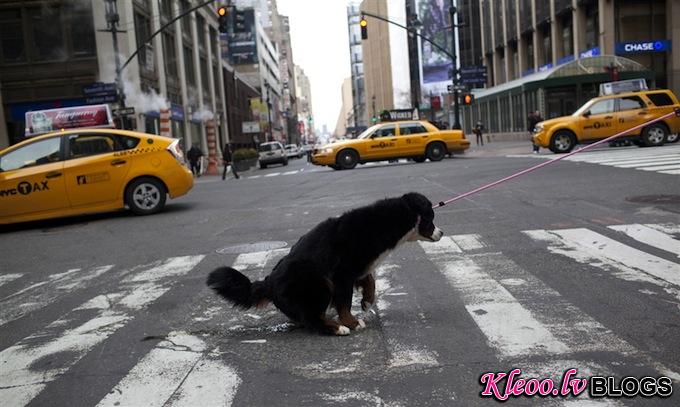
(630, 85)
(46, 121)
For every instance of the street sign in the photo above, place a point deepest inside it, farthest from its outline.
(95, 100)
(451, 88)
(128, 111)
(473, 75)
(473, 80)
(100, 89)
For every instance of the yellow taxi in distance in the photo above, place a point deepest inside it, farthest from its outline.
(604, 116)
(414, 139)
(83, 171)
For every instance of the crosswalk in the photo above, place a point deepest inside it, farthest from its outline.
(524, 321)
(664, 160)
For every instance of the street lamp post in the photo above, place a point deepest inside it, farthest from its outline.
(456, 107)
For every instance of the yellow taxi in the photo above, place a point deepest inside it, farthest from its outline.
(83, 171)
(414, 139)
(604, 116)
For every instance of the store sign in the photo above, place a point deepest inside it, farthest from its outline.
(593, 52)
(176, 112)
(250, 127)
(635, 47)
(45, 121)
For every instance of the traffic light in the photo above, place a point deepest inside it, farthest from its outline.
(468, 98)
(222, 17)
(364, 28)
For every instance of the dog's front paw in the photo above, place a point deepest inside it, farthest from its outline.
(342, 330)
(366, 305)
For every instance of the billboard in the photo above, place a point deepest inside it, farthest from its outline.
(240, 43)
(436, 65)
(45, 121)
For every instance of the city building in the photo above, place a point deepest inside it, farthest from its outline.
(385, 58)
(357, 66)
(244, 128)
(305, 112)
(345, 124)
(552, 55)
(53, 51)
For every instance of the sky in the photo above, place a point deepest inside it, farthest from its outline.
(321, 48)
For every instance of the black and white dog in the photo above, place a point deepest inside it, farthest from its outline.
(328, 262)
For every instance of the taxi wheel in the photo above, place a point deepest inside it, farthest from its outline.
(654, 135)
(347, 159)
(673, 138)
(145, 196)
(562, 142)
(435, 151)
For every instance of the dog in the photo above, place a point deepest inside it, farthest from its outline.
(326, 264)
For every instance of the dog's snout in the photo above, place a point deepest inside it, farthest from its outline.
(437, 234)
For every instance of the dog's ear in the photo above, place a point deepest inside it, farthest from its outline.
(417, 202)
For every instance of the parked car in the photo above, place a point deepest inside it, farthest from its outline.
(604, 116)
(418, 140)
(272, 152)
(293, 151)
(75, 172)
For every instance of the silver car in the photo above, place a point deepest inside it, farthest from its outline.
(271, 153)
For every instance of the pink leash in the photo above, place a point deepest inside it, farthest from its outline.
(676, 112)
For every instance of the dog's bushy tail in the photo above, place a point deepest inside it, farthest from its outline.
(236, 288)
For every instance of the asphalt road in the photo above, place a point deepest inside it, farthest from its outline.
(574, 266)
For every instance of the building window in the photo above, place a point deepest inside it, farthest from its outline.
(170, 57)
(189, 66)
(205, 81)
(166, 9)
(142, 32)
(200, 32)
(184, 6)
(13, 47)
(567, 37)
(530, 53)
(547, 46)
(592, 27)
(48, 39)
(82, 30)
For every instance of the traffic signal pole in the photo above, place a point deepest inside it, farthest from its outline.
(454, 69)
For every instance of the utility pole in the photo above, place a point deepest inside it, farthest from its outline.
(454, 68)
(412, 25)
(269, 113)
(112, 19)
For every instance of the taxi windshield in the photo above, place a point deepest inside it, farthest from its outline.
(583, 109)
(367, 133)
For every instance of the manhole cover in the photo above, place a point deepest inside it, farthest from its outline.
(655, 199)
(252, 247)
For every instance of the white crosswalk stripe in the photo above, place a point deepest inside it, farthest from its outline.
(664, 160)
(521, 317)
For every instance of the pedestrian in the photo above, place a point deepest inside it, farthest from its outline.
(228, 160)
(533, 119)
(194, 155)
(479, 132)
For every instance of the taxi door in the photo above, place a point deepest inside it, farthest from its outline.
(383, 143)
(412, 138)
(632, 112)
(599, 121)
(94, 170)
(32, 179)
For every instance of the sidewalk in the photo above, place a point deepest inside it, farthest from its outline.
(501, 148)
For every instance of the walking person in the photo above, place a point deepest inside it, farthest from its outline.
(194, 155)
(479, 131)
(228, 160)
(533, 119)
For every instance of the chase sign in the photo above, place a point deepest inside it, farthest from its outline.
(635, 47)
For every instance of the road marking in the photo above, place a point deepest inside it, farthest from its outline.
(586, 246)
(6, 278)
(611, 160)
(646, 163)
(41, 294)
(175, 373)
(290, 172)
(662, 168)
(273, 174)
(651, 236)
(257, 260)
(672, 172)
(26, 366)
(254, 176)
